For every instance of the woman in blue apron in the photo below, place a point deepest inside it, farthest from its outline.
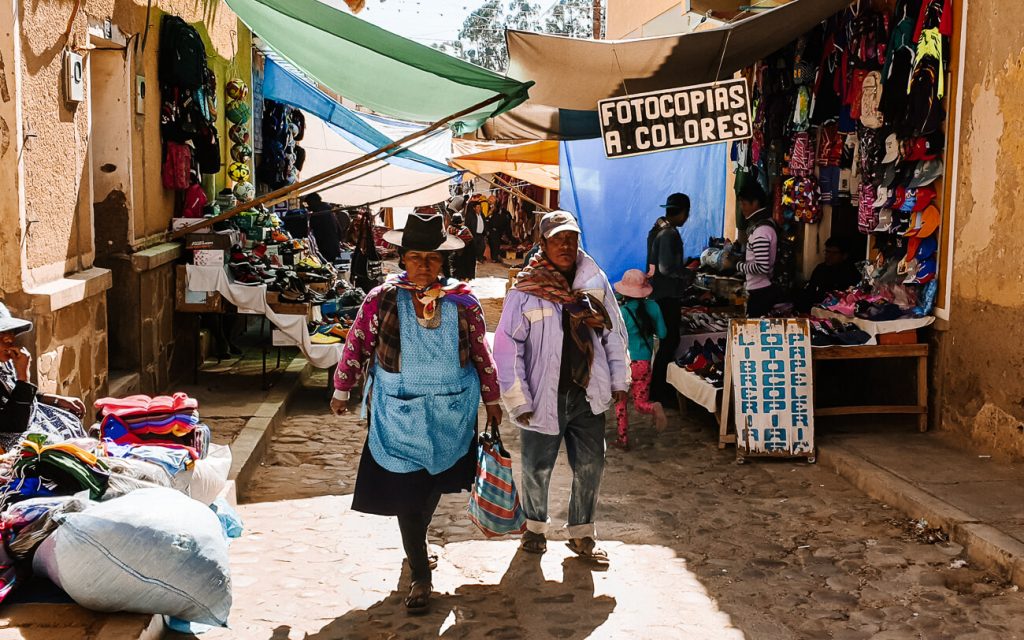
(420, 343)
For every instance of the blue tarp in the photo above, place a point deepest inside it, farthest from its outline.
(617, 201)
(282, 86)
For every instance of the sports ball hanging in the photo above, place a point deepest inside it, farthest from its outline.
(239, 134)
(238, 112)
(238, 171)
(236, 89)
(241, 152)
(244, 191)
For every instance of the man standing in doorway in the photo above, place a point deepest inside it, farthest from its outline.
(670, 278)
(758, 265)
(560, 349)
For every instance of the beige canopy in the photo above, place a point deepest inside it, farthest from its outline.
(571, 75)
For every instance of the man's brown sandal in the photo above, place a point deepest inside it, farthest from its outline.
(587, 549)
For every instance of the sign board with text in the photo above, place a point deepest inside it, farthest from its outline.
(772, 387)
(675, 118)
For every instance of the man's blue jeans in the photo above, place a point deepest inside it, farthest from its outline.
(583, 433)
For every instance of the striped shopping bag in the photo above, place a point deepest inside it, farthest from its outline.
(494, 504)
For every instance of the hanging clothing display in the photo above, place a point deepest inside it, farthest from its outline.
(852, 116)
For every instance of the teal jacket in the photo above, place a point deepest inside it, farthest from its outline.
(641, 346)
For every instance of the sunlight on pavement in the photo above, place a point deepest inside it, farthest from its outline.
(340, 577)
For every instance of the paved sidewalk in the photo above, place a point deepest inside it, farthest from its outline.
(700, 548)
(971, 496)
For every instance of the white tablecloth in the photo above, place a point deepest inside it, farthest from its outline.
(876, 328)
(254, 300)
(692, 386)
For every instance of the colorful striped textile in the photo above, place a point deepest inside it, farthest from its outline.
(494, 504)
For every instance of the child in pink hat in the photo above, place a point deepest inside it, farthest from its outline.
(644, 323)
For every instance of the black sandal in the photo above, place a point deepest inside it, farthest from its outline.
(533, 542)
(418, 600)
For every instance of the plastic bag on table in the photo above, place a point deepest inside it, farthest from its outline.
(129, 474)
(210, 475)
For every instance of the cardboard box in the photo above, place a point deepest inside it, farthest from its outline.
(208, 257)
(194, 301)
(177, 224)
(287, 308)
(900, 337)
(196, 241)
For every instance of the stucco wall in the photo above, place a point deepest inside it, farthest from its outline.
(58, 198)
(978, 366)
(626, 16)
(47, 204)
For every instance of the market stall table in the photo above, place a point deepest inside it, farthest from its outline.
(918, 352)
(253, 300)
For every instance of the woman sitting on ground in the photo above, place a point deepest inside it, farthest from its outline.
(22, 409)
(430, 365)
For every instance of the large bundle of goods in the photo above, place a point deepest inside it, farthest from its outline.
(125, 521)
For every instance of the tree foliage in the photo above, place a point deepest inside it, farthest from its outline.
(482, 37)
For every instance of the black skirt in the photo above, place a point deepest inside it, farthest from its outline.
(386, 493)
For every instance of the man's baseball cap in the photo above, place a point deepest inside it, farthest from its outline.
(556, 222)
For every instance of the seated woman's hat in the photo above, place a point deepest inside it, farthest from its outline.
(10, 323)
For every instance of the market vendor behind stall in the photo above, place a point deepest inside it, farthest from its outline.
(758, 267)
(837, 273)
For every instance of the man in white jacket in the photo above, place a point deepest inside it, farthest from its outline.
(561, 352)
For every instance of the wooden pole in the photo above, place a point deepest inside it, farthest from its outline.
(597, 19)
(502, 186)
(305, 185)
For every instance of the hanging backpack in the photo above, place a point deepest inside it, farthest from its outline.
(195, 201)
(207, 143)
(182, 56)
(177, 166)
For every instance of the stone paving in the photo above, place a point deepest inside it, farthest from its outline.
(700, 548)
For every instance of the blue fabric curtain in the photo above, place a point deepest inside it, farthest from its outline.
(281, 85)
(617, 201)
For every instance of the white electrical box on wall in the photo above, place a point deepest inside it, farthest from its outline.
(74, 77)
(140, 95)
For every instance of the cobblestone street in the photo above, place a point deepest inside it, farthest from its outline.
(700, 548)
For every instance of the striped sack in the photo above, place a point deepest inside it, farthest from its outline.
(494, 504)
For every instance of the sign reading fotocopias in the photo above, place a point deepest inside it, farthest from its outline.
(676, 118)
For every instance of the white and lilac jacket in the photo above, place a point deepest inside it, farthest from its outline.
(528, 351)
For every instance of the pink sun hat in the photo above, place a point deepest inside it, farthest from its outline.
(634, 284)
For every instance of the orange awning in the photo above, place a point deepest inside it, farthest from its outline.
(534, 162)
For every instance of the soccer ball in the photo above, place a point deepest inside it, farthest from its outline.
(239, 134)
(236, 89)
(239, 171)
(245, 191)
(238, 112)
(241, 152)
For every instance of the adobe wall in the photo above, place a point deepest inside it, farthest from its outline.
(978, 366)
(49, 270)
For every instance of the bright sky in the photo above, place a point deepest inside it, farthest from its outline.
(426, 21)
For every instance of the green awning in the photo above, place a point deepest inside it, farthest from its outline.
(376, 68)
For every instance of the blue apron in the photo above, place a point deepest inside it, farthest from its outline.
(424, 416)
